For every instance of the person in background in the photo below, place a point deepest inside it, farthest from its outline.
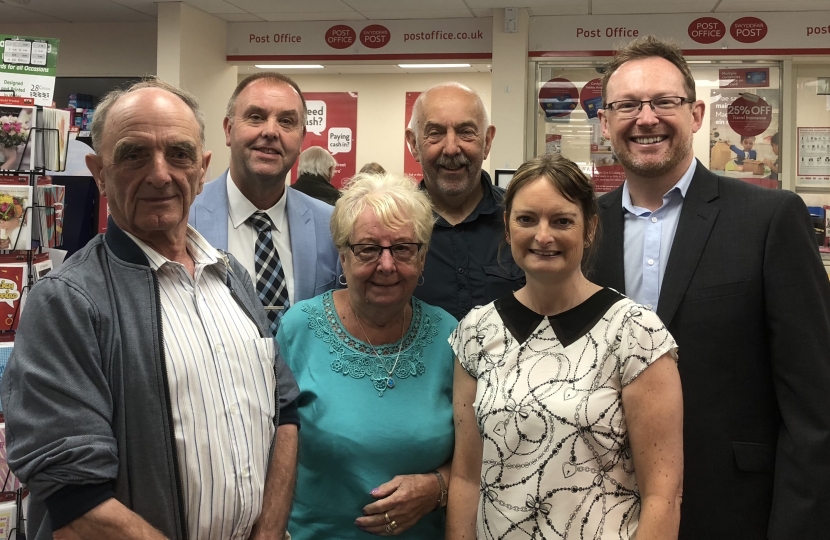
(450, 136)
(734, 273)
(567, 400)
(746, 152)
(774, 166)
(375, 370)
(144, 389)
(373, 168)
(314, 173)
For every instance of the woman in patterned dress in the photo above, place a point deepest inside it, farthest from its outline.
(375, 375)
(567, 399)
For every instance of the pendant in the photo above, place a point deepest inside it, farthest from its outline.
(390, 382)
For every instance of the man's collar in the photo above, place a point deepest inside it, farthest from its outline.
(489, 203)
(198, 248)
(681, 187)
(241, 209)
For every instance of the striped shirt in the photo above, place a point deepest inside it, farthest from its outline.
(222, 383)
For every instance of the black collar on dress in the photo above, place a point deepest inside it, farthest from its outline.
(568, 326)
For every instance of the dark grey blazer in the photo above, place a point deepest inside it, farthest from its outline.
(748, 301)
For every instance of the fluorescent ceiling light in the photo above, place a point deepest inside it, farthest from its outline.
(405, 66)
(289, 66)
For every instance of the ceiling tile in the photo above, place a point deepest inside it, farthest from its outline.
(289, 6)
(212, 6)
(631, 7)
(88, 11)
(148, 7)
(316, 16)
(239, 17)
(486, 12)
(417, 14)
(732, 6)
(16, 15)
(573, 9)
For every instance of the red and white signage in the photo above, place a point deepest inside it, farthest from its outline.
(718, 34)
(470, 38)
(411, 167)
(331, 123)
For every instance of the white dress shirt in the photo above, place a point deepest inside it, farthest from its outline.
(242, 235)
(648, 238)
(220, 372)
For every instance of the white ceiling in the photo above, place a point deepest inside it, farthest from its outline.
(11, 11)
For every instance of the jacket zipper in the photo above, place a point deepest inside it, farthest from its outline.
(184, 527)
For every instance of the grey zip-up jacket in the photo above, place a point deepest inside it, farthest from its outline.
(85, 392)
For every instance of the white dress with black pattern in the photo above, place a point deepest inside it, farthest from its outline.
(556, 456)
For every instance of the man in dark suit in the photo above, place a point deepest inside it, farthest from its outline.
(734, 272)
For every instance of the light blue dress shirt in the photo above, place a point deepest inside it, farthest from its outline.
(648, 238)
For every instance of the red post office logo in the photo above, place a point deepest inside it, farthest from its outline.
(707, 30)
(748, 30)
(340, 36)
(375, 36)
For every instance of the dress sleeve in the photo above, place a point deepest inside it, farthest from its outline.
(465, 344)
(643, 339)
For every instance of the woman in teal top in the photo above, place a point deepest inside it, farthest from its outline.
(375, 373)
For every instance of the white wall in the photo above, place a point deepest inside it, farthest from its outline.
(380, 108)
(97, 49)
(191, 55)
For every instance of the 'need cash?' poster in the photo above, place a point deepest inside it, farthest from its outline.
(28, 67)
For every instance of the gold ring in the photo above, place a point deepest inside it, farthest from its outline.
(386, 515)
(388, 529)
(393, 525)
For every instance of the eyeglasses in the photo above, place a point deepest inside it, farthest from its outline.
(662, 106)
(403, 252)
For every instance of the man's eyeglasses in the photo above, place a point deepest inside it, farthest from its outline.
(403, 252)
(662, 106)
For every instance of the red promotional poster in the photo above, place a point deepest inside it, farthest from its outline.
(410, 167)
(332, 124)
(12, 278)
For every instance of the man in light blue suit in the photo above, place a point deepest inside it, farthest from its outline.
(264, 128)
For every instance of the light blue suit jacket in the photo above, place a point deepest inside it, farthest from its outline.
(316, 261)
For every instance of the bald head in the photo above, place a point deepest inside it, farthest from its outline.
(445, 88)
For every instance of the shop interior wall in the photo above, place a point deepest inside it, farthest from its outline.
(812, 110)
(98, 49)
(380, 108)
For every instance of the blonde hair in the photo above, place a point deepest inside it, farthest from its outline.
(395, 200)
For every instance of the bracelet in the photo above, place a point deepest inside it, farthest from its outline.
(442, 496)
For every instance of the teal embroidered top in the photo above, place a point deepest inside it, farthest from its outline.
(358, 432)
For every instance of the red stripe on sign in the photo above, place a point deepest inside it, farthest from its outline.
(304, 57)
(696, 52)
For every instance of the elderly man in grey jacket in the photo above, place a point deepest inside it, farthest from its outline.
(144, 393)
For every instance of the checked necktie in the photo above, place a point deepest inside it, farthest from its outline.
(270, 278)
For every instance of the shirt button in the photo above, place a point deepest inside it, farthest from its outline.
(653, 219)
(234, 408)
(651, 262)
(460, 270)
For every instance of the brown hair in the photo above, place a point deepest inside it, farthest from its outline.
(373, 168)
(649, 47)
(570, 181)
(274, 78)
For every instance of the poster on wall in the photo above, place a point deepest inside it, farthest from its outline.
(813, 156)
(28, 67)
(331, 123)
(411, 167)
(742, 122)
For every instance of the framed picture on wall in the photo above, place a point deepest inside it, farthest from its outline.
(504, 176)
(823, 86)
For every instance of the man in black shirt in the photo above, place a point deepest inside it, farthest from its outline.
(468, 263)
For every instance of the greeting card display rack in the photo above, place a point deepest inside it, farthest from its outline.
(24, 177)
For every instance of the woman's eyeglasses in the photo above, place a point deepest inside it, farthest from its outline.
(403, 252)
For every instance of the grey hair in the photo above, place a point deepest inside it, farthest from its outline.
(395, 200)
(274, 78)
(414, 122)
(103, 109)
(316, 160)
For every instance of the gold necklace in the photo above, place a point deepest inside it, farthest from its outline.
(390, 382)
